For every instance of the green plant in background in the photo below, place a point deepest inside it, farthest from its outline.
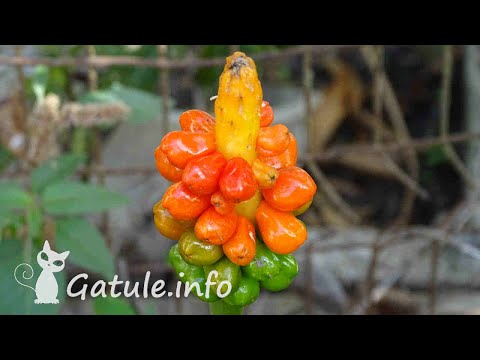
(51, 205)
(143, 105)
(433, 157)
(49, 197)
(5, 157)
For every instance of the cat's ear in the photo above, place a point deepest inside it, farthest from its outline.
(46, 246)
(64, 255)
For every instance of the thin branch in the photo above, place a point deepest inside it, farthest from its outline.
(164, 88)
(332, 193)
(327, 157)
(394, 110)
(445, 102)
(419, 145)
(307, 72)
(404, 178)
(92, 72)
(442, 236)
(105, 61)
(435, 257)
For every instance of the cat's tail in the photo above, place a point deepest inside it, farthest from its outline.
(24, 275)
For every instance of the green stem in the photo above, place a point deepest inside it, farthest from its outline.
(79, 141)
(222, 308)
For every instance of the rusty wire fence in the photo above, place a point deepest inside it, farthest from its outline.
(385, 101)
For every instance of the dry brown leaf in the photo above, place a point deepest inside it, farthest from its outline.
(342, 97)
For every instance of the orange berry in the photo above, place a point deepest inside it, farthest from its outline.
(220, 204)
(197, 121)
(167, 225)
(266, 114)
(293, 189)
(181, 146)
(202, 173)
(214, 228)
(237, 181)
(282, 232)
(285, 159)
(241, 248)
(184, 204)
(264, 174)
(273, 140)
(165, 167)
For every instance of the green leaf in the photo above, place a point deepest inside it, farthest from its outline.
(6, 218)
(112, 306)
(34, 220)
(13, 197)
(14, 298)
(71, 198)
(86, 245)
(143, 106)
(55, 170)
(5, 157)
(39, 81)
(436, 155)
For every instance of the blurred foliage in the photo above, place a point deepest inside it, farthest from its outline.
(60, 79)
(16, 299)
(49, 195)
(112, 306)
(5, 157)
(435, 156)
(143, 105)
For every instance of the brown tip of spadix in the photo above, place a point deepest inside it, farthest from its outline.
(237, 61)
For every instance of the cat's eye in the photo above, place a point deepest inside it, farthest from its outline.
(44, 256)
(58, 263)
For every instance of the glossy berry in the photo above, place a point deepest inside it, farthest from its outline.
(293, 189)
(182, 146)
(197, 121)
(237, 181)
(184, 204)
(266, 114)
(240, 249)
(265, 175)
(282, 232)
(167, 225)
(220, 204)
(273, 140)
(285, 159)
(165, 167)
(214, 228)
(202, 173)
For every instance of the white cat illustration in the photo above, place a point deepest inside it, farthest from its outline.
(46, 287)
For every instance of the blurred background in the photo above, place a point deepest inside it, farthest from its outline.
(389, 133)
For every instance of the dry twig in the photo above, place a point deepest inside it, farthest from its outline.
(392, 106)
(106, 61)
(445, 102)
(332, 193)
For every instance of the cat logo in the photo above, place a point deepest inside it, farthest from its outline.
(46, 287)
